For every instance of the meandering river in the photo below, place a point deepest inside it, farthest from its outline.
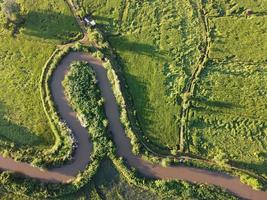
(124, 149)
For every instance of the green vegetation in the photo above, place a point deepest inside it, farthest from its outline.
(253, 182)
(235, 7)
(228, 109)
(222, 123)
(232, 123)
(239, 39)
(157, 50)
(109, 183)
(23, 124)
(84, 95)
(158, 44)
(11, 11)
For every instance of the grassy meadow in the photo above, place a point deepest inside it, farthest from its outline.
(158, 45)
(22, 57)
(235, 7)
(229, 108)
(239, 39)
(228, 114)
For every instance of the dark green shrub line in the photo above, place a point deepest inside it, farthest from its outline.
(190, 87)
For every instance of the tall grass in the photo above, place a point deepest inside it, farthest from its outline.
(158, 48)
(22, 118)
(228, 111)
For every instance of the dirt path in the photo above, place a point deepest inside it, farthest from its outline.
(190, 86)
(82, 155)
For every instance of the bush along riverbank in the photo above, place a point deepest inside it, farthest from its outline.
(133, 130)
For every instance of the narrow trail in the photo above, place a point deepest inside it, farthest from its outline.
(124, 149)
(189, 88)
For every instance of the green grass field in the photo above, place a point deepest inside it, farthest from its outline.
(159, 47)
(47, 24)
(235, 7)
(229, 114)
(158, 44)
(229, 108)
(239, 39)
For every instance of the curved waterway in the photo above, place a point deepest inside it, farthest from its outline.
(124, 149)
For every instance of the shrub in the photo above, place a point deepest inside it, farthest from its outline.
(165, 162)
(251, 181)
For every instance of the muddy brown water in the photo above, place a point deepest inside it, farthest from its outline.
(124, 149)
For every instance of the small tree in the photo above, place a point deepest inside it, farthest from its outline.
(220, 158)
(165, 162)
(11, 10)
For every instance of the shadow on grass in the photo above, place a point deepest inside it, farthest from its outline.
(105, 20)
(110, 184)
(137, 98)
(106, 173)
(124, 44)
(14, 133)
(260, 168)
(217, 104)
(47, 24)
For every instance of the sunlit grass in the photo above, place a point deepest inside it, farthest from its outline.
(22, 58)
